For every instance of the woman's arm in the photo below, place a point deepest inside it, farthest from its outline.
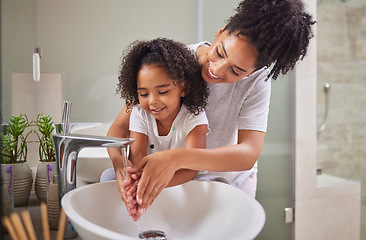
(239, 157)
(195, 139)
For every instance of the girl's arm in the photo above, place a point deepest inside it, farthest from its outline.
(138, 149)
(239, 157)
(119, 128)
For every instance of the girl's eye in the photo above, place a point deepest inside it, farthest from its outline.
(143, 94)
(165, 92)
(218, 53)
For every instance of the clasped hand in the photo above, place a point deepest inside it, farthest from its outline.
(136, 204)
(144, 182)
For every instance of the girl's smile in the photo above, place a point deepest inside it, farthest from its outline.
(157, 110)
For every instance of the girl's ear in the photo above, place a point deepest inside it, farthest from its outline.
(185, 89)
(184, 92)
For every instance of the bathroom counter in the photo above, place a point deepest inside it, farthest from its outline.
(35, 211)
(330, 186)
(325, 180)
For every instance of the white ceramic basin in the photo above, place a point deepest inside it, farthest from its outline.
(197, 210)
(91, 161)
(91, 164)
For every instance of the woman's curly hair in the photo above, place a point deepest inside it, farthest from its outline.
(179, 63)
(279, 29)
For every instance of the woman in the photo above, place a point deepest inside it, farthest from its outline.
(236, 65)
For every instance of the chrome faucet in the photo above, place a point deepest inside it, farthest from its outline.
(67, 148)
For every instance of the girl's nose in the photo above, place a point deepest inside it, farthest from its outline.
(153, 99)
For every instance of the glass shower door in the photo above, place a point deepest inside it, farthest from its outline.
(341, 36)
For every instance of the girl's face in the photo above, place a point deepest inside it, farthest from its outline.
(229, 59)
(157, 93)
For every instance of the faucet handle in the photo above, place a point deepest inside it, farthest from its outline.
(66, 112)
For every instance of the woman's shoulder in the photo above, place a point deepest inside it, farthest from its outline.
(257, 79)
(193, 47)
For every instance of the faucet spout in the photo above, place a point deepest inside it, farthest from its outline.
(67, 148)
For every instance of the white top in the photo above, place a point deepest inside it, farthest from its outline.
(143, 122)
(243, 105)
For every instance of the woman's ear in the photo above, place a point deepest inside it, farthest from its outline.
(219, 32)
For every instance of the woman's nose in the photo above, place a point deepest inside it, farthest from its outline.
(217, 67)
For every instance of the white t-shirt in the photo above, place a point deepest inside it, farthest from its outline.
(143, 122)
(243, 105)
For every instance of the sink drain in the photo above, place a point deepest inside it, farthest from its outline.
(153, 235)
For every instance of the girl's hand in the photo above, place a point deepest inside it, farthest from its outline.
(158, 170)
(125, 185)
(131, 191)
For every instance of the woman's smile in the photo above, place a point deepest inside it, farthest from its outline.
(228, 60)
(210, 74)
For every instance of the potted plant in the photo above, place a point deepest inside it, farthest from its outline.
(46, 152)
(14, 153)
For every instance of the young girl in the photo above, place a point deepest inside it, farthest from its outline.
(162, 84)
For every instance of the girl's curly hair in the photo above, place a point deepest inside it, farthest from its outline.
(279, 29)
(179, 63)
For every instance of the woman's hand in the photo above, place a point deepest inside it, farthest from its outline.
(158, 171)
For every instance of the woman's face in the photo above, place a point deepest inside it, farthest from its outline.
(229, 59)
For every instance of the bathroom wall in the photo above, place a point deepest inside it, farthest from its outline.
(342, 63)
(84, 40)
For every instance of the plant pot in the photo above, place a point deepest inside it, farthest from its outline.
(41, 181)
(22, 182)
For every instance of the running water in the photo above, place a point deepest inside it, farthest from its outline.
(139, 224)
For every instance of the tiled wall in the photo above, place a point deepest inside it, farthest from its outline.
(342, 63)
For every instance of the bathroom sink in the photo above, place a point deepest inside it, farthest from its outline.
(92, 161)
(196, 210)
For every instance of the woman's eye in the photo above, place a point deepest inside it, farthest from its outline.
(218, 53)
(236, 74)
